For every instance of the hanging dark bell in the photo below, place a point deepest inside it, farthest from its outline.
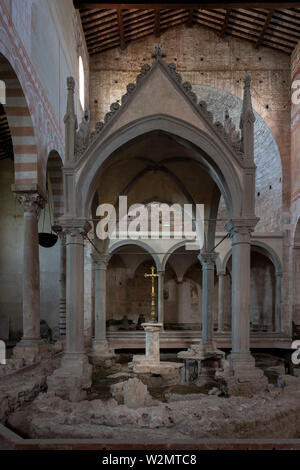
(47, 240)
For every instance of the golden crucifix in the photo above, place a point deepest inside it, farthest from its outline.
(153, 276)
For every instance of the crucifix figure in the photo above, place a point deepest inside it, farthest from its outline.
(153, 276)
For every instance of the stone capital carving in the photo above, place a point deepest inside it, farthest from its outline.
(74, 227)
(221, 273)
(101, 260)
(241, 226)
(60, 232)
(207, 258)
(31, 202)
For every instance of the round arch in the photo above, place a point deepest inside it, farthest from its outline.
(265, 250)
(20, 123)
(219, 165)
(171, 251)
(139, 243)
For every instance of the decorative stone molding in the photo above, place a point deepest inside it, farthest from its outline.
(60, 232)
(241, 226)
(76, 227)
(227, 132)
(158, 52)
(101, 260)
(208, 258)
(31, 202)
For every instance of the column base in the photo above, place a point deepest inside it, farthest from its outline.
(31, 350)
(240, 376)
(72, 380)
(201, 350)
(101, 355)
(243, 365)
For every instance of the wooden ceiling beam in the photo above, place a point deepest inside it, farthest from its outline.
(285, 29)
(99, 15)
(209, 18)
(98, 31)
(248, 16)
(107, 23)
(121, 28)
(226, 20)
(264, 29)
(190, 19)
(139, 26)
(285, 20)
(129, 16)
(175, 6)
(101, 38)
(157, 23)
(138, 21)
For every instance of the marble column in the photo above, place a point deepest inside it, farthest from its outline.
(207, 260)
(160, 298)
(221, 279)
(30, 343)
(62, 281)
(100, 263)
(74, 375)
(241, 361)
(278, 302)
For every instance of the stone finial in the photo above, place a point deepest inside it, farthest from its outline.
(158, 52)
(247, 121)
(70, 121)
(71, 83)
(247, 111)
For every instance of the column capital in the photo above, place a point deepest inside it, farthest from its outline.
(207, 258)
(221, 273)
(101, 259)
(31, 201)
(240, 225)
(60, 232)
(75, 226)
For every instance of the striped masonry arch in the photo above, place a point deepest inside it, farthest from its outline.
(20, 125)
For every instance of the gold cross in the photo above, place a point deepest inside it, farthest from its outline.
(152, 276)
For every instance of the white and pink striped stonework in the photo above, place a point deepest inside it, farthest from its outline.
(21, 127)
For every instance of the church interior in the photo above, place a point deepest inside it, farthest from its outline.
(111, 114)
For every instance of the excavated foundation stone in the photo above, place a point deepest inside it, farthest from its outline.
(271, 414)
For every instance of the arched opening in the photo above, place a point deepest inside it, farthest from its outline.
(128, 291)
(265, 299)
(18, 166)
(21, 127)
(52, 259)
(11, 236)
(156, 167)
(195, 145)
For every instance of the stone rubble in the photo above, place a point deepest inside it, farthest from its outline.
(271, 414)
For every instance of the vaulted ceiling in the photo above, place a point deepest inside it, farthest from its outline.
(107, 26)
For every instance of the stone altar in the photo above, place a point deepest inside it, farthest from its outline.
(149, 366)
